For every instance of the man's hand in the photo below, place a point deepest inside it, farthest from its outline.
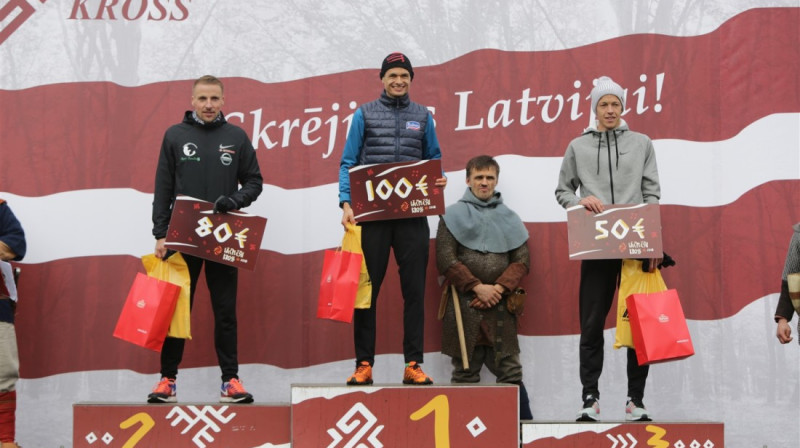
(592, 203)
(161, 248)
(784, 332)
(347, 215)
(6, 254)
(486, 296)
(224, 204)
(477, 303)
(441, 182)
(654, 262)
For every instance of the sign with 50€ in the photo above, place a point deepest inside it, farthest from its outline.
(232, 238)
(396, 190)
(620, 231)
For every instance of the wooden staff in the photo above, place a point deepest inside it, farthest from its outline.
(460, 327)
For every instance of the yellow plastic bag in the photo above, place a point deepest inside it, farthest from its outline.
(633, 281)
(351, 242)
(175, 271)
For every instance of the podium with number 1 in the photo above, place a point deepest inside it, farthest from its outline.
(397, 415)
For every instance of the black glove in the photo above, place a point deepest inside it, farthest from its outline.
(666, 262)
(224, 204)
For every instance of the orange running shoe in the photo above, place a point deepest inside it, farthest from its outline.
(414, 375)
(164, 392)
(362, 375)
(233, 391)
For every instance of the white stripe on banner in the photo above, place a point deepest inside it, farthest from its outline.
(694, 174)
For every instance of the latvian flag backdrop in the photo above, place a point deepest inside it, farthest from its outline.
(87, 88)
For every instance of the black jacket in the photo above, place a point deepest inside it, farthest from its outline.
(204, 161)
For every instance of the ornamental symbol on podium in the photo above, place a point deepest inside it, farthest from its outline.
(350, 423)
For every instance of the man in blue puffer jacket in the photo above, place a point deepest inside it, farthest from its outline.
(391, 129)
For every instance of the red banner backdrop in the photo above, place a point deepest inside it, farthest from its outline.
(89, 87)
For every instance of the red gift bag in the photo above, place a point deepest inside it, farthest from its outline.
(147, 312)
(341, 272)
(659, 328)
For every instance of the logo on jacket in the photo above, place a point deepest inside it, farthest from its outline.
(412, 125)
(226, 148)
(226, 158)
(189, 149)
(190, 152)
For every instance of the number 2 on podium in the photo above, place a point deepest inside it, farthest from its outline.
(147, 424)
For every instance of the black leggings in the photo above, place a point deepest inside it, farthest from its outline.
(222, 281)
(410, 240)
(599, 280)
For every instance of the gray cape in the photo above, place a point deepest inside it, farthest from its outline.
(488, 226)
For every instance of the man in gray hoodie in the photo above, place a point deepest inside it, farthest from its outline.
(607, 164)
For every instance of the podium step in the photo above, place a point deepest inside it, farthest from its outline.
(474, 415)
(622, 434)
(390, 415)
(195, 425)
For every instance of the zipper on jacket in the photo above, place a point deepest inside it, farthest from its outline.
(397, 129)
(610, 171)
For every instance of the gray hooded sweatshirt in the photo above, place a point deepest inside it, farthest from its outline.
(617, 166)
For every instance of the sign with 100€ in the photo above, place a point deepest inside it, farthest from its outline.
(396, 190)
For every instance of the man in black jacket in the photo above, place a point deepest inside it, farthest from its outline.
(207, 158)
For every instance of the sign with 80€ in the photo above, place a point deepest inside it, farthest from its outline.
(232, 238)
(396, 190)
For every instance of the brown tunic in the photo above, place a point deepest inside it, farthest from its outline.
(466, 268)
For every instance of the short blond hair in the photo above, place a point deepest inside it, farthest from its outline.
(208, 79)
